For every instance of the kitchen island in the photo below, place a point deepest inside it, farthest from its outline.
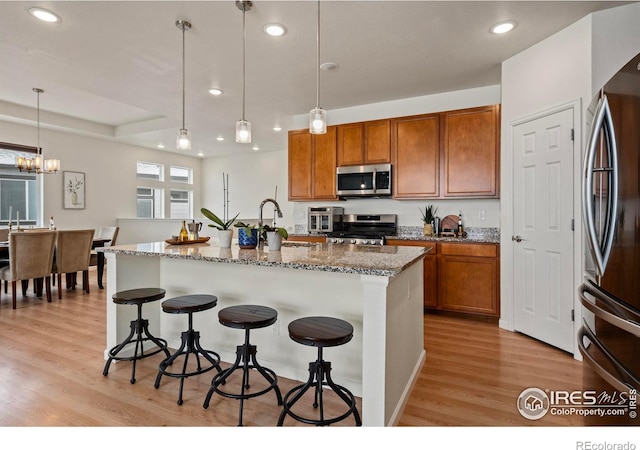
(378, 289)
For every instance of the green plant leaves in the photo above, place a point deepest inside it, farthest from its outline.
(217, 222)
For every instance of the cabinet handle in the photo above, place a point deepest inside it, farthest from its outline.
(517, 238)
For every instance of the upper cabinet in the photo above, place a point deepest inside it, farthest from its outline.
(364, 143)
(312, 165)
(470, 142)
(452, 154)
(415, 156)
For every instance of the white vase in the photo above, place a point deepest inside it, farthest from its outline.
(274, 240)
(224, 237)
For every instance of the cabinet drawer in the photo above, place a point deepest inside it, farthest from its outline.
(483, 250)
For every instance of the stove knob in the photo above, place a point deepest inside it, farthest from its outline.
(364, 241)
(340, 241)
(353, 241)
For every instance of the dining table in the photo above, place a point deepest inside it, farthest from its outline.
(97, 242)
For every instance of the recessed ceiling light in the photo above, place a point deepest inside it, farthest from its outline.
(44, 15)
(215, 91)
(274, 29)
(328, 66)
(503, 27)
(160, 145)
(255, 148)
(220, 138)
(200, 154)
(277, 128)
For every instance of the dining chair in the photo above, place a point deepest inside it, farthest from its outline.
(73, 251)
(30, 256)
(110, 233)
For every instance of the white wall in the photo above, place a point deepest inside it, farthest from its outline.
(110, 170)
(567, 68)
(253, 177)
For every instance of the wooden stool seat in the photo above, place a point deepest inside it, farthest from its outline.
(246, 317)
(139, 333)
(138, 296)
(188, 304)
(320, 332)
(190, 340)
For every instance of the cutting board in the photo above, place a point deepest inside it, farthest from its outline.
(449, 223)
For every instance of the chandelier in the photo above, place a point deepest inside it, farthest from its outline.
(36, 163)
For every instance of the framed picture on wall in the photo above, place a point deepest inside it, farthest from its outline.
(73, 195)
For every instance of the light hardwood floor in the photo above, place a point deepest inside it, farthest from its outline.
(51, 375)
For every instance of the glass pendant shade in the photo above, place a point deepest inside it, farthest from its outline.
(243, 132)
(183, 140)
(51, 165)
(318, 121)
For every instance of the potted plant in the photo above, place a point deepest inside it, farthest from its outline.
(273, 236)
(247, 235)
(428, 216)
(225, 233)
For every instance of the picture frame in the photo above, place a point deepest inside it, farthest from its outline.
(73, 190)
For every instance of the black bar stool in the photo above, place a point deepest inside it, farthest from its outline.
(245, 317)
(320, 332)
(189, 304)
(139, 329)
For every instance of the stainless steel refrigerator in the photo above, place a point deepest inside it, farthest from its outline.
(609, 339)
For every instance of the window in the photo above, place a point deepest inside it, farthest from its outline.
(180, 175)
(150, 202)
(18, 190)
(180, 204)
(150, 171)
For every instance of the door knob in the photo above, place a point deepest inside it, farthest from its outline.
(517, 238)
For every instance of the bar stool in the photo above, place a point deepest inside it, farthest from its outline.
(245, 317)
(189, 304)
(320, 332)
(139, 329)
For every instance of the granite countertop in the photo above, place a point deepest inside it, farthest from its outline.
(385, 261)
(473, 235)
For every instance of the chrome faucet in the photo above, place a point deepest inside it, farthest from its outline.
(275, 203)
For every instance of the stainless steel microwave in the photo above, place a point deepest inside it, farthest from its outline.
(364, 181)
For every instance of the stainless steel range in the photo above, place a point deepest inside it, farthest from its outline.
(371, 229)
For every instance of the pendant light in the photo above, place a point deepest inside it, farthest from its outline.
(35, 164)
(318, 116)
(243, 127)
(183, 140)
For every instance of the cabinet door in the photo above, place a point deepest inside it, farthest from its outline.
(324, 165)
(415, 156)
(350, 144)
(468, 284)
(377, 138)
(470, 152)
(430, 277)
(300, 155)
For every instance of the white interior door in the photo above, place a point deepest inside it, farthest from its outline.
(543, 228)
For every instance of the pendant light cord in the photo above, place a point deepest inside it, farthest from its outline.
(183, 74)
(38, 118)
(318, 59)
(244, 57)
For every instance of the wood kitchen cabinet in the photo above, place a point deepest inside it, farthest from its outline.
(460, 277)
(415, 155)
(468, 278)
(470, 143)
(312, 165)
(364, 143)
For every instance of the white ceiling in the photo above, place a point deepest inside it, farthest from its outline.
(114, 69)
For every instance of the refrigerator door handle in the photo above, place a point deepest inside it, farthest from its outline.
(625, 381)
(602, 121)
(620, 319)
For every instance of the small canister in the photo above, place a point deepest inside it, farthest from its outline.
(436, 226)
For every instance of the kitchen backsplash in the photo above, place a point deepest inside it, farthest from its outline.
(411, 231)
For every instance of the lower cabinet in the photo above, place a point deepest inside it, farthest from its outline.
(460, 277)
